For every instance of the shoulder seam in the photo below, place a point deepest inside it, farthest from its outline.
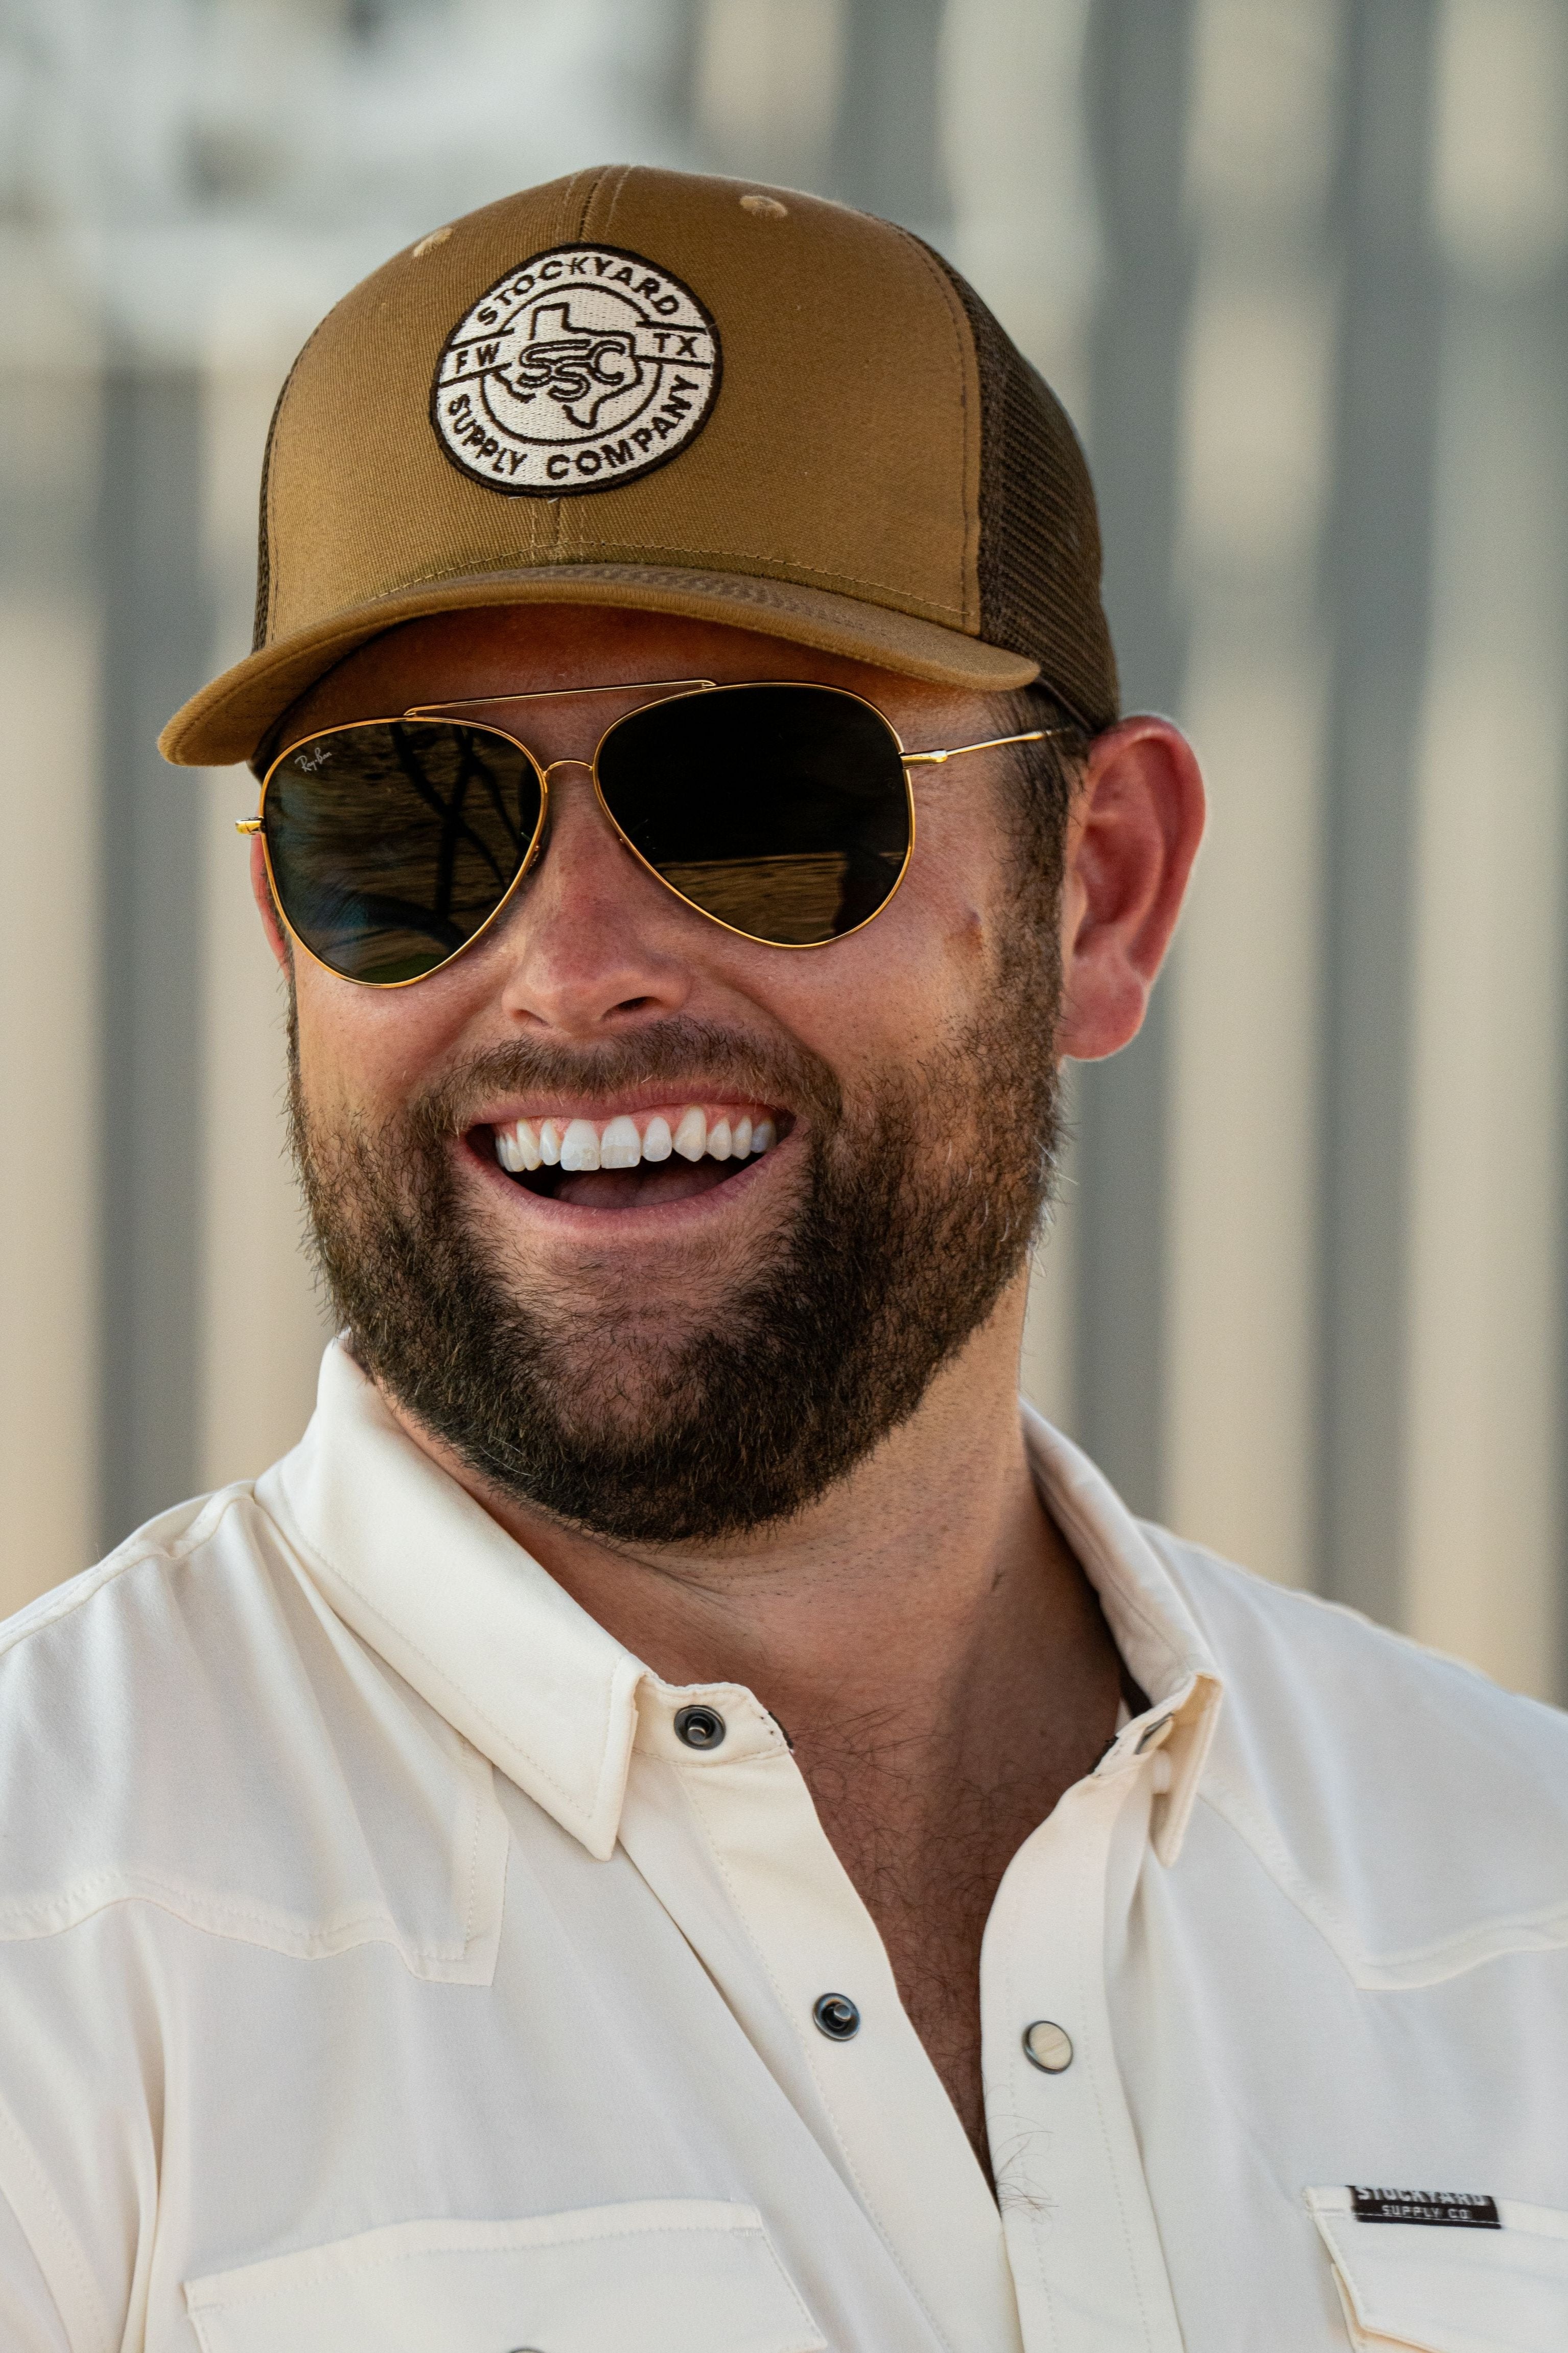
(80, 1590)
(1404, 1969)
(1177, 1553)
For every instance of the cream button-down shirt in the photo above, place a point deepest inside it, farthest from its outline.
(381, 1972)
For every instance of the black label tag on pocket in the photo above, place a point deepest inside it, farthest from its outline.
(1462, 2210)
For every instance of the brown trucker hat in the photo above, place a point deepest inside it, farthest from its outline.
(649, 389)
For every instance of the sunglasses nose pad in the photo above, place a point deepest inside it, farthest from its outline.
(541, 841)
(589, 770)
(542, 837)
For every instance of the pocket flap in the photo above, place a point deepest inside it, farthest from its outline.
(1445, 2289)
(665, 2276)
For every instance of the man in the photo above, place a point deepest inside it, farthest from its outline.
(677, 1817)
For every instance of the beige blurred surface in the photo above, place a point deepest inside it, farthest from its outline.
(263, 1323)
(48, 1194)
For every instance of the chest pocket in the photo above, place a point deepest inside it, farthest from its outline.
(665, 2276)
(1440, 2289)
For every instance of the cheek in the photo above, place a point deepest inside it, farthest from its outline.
(968, 937)
(365, 1048)
(962, 881)
(875, 997)
(955, 912)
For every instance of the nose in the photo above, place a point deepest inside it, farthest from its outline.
(589, 942)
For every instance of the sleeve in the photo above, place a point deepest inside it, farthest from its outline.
(29, 2318)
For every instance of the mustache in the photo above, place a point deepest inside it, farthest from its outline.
(699, 1057)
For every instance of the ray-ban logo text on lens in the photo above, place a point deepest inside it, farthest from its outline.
(579, 369)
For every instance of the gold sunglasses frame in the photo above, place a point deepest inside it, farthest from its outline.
(681, 689)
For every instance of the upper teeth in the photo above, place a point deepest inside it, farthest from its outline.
(628, 1138)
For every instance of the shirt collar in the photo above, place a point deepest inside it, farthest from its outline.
(425, 1575)
(1150, 1623)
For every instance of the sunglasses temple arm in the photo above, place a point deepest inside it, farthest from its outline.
(992, 744)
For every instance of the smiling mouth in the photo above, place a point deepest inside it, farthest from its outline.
(635, 1160)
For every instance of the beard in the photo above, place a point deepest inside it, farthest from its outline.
(682, 1420)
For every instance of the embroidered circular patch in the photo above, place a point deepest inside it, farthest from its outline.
(579, 369)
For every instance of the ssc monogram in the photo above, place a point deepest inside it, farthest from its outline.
(582, 368)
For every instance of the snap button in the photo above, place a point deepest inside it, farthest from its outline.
(1047, 2047)
(836, 2016)
(699, 1727)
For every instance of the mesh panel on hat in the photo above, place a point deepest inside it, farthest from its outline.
(1039, 534)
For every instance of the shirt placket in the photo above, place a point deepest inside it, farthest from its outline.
(731, 1844)
(1084, 2246)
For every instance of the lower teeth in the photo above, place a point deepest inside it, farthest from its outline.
(546, 1183)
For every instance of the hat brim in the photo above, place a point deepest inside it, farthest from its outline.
(229, 719)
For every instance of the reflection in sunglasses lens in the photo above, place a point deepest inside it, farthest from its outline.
(393, 843)
(781, 810)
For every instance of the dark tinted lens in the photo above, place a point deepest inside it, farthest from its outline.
(393, 843)
(783, 810)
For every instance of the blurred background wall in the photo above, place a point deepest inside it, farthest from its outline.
(1298, 268)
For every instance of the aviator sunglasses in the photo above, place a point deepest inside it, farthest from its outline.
(780, 810)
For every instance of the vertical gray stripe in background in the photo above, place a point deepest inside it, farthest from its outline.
(887, 146)
(1377, 592)
(1137, 80)
(155, 643)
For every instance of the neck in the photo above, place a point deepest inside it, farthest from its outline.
(886, 1600)
(930, 1646)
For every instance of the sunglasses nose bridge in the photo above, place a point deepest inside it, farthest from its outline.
(550, 771)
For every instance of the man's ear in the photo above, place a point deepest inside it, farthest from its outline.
(1134, 831)
(261, 892)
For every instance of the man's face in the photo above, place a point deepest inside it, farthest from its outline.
(685, 1349)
